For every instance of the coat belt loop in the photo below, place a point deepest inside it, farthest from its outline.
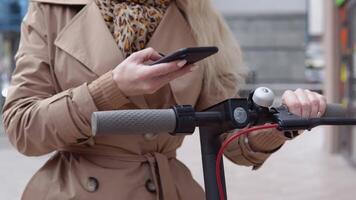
(168, 191)
(152, 162)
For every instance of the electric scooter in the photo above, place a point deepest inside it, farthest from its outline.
(238, 113)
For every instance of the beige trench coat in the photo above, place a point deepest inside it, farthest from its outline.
(64, 46)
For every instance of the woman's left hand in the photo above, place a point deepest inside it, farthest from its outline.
(304, 103)
(300, 102)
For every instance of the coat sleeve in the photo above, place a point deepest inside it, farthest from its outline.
(38, 120)
(251, 150)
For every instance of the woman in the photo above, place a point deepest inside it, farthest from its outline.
(80, 56)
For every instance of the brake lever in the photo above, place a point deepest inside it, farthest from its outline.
(288, 121)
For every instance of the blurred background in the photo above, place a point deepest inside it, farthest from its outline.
(287, 44)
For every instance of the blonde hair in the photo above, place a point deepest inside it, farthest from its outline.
(210, 29)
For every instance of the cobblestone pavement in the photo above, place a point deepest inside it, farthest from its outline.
(299, 171)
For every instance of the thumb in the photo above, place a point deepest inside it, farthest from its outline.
(146, 55)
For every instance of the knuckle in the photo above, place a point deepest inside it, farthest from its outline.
(299, 90)
(134, 54)
(150, 50)
(287, 92)
(305, 105)
(321, 98)
(296, 106)
(315, 102)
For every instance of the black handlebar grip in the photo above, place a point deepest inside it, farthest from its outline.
(133, 121)
(335, 110)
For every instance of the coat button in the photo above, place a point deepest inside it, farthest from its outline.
(150, 186)
(150, 136)
(92, 184)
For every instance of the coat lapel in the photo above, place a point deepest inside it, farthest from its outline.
(88, 40)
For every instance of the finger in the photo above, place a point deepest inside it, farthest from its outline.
(304, 100)
(291, 100)
(314, 103)
(164, 68)
(145, 55)
(322, 105)
(155, 57)
(174, 75)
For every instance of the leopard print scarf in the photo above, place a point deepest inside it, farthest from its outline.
(132, 22)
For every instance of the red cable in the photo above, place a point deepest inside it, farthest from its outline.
(223, 147)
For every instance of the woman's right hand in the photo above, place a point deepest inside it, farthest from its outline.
(134, 77)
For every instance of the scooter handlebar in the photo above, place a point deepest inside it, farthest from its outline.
(133, 121)
(158, 120)
(335, 110)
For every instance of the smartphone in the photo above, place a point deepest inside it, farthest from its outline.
(191, 55)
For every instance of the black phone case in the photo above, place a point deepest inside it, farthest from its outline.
(191, 55)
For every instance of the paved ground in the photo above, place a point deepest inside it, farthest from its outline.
(299, 171)
(15, 171)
